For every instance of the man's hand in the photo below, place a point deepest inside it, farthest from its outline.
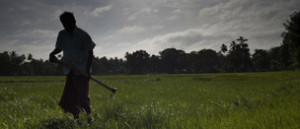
(53, 59)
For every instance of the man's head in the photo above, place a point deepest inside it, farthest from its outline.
(68, 21)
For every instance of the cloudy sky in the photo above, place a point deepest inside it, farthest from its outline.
(120, 26)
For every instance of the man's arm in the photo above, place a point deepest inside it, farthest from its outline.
(89, 61)
(52, 57)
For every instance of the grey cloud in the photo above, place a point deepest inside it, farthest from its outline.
(117, 26)
(131, 29)
(97, 11)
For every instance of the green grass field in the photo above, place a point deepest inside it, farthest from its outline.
(207, 101)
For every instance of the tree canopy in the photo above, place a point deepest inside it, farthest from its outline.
(291, 41)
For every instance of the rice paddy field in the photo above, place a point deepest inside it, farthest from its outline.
(267, 100)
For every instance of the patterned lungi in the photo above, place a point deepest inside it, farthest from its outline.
(75, 96)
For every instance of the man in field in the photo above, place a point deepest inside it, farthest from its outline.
(77, 47)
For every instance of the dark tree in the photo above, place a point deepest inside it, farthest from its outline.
(29, 57)
(16, 59)
(239, 56)
(192, 61)
(138, 62)
(172, 60)
(11, 63)
(261, 60)
(155, 64)
(100, 66)
(206, 62)
(291, 39)
(117, 66)
(284, 56)
(275, 58)
(6, 65)
(223, 49)
(111, 66)
(40, 67)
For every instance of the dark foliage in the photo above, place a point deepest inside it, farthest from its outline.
(138, 62)
(291, 42)
(170, 60)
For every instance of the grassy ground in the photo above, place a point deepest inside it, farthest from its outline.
(208, 101)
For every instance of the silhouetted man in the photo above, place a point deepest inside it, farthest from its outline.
(77, 47)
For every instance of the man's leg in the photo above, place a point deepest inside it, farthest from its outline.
(83, 83)
(70, 99)
(84, 98)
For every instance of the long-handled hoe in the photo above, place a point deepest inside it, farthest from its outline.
(113, 90)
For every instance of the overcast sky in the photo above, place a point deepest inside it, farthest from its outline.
(120, 26)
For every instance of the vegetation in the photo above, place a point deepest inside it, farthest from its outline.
(190, 101)
(291, 41)
(170, 60)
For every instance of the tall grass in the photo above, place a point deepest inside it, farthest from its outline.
(213, 101)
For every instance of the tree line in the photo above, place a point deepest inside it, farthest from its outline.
(232, 57)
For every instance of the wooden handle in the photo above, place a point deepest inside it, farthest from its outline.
(113, 90)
